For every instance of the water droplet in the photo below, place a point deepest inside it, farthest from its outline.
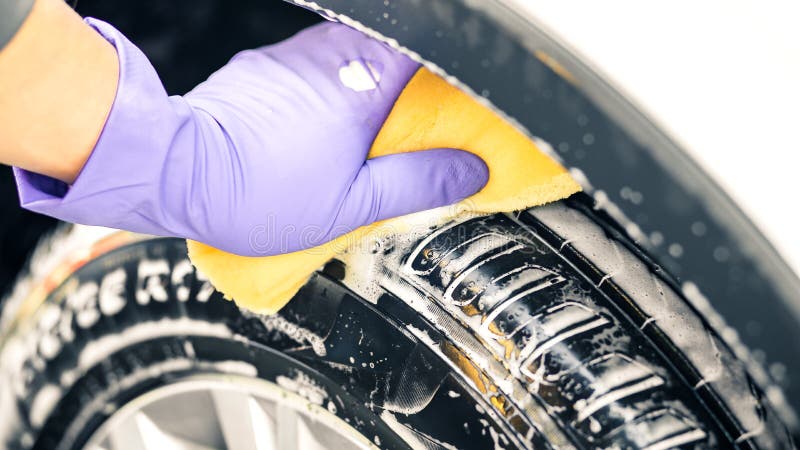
(594, 425)
(699, 229)
(588, 139)
(675, 250)
(778, 371)
(722, 254)
(360, 75)
(656, 238)
(631, 195)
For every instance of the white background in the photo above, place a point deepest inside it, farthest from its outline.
(723, 77)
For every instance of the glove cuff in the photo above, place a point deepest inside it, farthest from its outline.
(114, 189)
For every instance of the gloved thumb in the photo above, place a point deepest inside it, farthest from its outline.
(399, 184)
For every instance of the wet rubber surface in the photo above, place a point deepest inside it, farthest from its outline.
(663, 199)
(490, 332)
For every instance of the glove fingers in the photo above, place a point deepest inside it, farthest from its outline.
(395, 185)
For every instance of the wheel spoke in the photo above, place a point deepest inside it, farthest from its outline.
(244, 423)
(286, 430)
(140, 432)
(204, 415)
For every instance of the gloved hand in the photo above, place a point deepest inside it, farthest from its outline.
(267, 156)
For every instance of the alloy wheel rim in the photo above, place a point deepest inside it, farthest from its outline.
(215, 411)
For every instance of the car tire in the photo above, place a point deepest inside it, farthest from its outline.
(540, 329)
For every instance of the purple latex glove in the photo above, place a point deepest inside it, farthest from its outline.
(267, 156)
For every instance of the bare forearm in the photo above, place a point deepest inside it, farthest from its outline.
(58, 78)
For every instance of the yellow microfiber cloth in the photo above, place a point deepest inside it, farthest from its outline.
(429, 113)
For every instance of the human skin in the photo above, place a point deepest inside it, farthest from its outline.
(55, 101)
